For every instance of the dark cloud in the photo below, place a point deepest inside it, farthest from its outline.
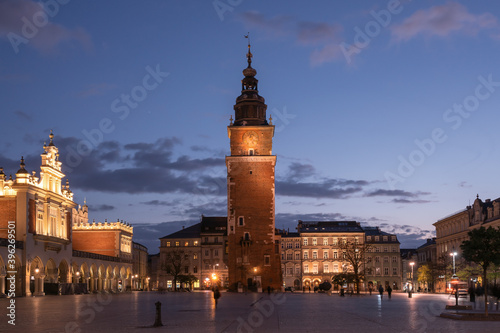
(394, 193)
(407, 201)
(23, 115)
(101, 208)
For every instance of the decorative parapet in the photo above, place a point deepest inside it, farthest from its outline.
(118, 225)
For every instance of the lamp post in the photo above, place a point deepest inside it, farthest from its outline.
(411, 290)
(453, 254)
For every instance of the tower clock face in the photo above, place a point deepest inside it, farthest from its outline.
(251, 138)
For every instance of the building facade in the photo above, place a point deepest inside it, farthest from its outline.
(452, 230)
(38, 223)
(383, 260)
(291, 259)
(203, 250)
(140, 275)
(253, 249)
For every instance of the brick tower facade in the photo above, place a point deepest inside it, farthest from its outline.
(253, 258)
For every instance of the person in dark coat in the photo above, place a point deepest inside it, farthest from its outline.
(216, 295)
(389, 291)
(381, 291)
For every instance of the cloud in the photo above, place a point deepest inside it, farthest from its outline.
(101, 208)
(96, 89)
(323, 37)
(407, 201)
(398, 193)
(442, 21)
(23, 115)
(18, 17)
(302, 180)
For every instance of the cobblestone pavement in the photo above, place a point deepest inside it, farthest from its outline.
(196, 312)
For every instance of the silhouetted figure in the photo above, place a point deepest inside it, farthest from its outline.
(216, 295)
(269, 290)
(381, 291)
(389, 291)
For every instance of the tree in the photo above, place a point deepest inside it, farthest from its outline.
(483, 248)
(188, 279)
(425, 275)
(354, 254)
(175, 261)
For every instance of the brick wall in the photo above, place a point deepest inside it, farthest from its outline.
(96, 241)
(7, 213)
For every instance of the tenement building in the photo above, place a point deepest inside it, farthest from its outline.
(316, 254)
(41, 230)
(199, 251)
(253, 247)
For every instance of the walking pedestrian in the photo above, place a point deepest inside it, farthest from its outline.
(216, 295)
(389, 291)
(381, 291)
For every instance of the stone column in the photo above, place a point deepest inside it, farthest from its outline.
(39, 280)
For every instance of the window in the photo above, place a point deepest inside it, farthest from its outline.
(206, 239)
(377, 249)
(377, 259)
(385, 238)
(335, 241)
(297, 245)
(325, 241)
(306, 255)
(282, 256)
(335, 268)
(289, 271)
(306, 268)
(315, 269)
(250, 152)
(195, 243)
(206, 253)
(386, 259)
(216, 239)
(195, 269)
(376, 238)
(267, 259)
(326, 268)
(297, 270)
(186, 243)
(305, 241)
(177, 244)
(315, 241)
(247, 236)
(368, 238)
(195, 256)
(282, 245)
(377, 270)
(240, 221)
(168, 243)
(394, 249)
(297, 256)
(289, 256)
(393, 238)
(335, 255)
(386, 249)
(394, 271)
(394, 259)
(315, 254)
(325, 255)
(186, 269)
(386, 270)
(288, 245)
(216, 253)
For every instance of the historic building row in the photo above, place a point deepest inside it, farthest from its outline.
(47, 244)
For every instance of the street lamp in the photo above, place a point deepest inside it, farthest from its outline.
(453, 254)
(411, 264)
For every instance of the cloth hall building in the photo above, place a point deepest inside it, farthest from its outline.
(47, 244)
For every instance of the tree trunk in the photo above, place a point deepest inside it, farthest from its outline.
(485, 283)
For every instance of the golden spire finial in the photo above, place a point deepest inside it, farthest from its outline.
(249, 54)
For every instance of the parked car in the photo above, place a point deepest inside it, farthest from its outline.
(291, 289)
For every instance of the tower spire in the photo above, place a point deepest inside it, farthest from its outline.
(249, 53)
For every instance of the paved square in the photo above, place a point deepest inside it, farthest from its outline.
(196, 312)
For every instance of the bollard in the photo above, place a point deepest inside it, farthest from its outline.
(158, 315)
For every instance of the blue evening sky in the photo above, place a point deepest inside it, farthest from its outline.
(386, 112)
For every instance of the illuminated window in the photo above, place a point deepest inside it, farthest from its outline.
(335, 268)
(315, 269)
(315, 254)
(306, 269)
(186, 244)
(176, 243)
(325, 255)
(335, 255)
(326, 268)
(195, 243)
(168, 243)
(305, 241)
(306, 255)
(325, 241)
(195, 256)
(315, 241)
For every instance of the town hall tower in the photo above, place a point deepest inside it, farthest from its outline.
(253, 249)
